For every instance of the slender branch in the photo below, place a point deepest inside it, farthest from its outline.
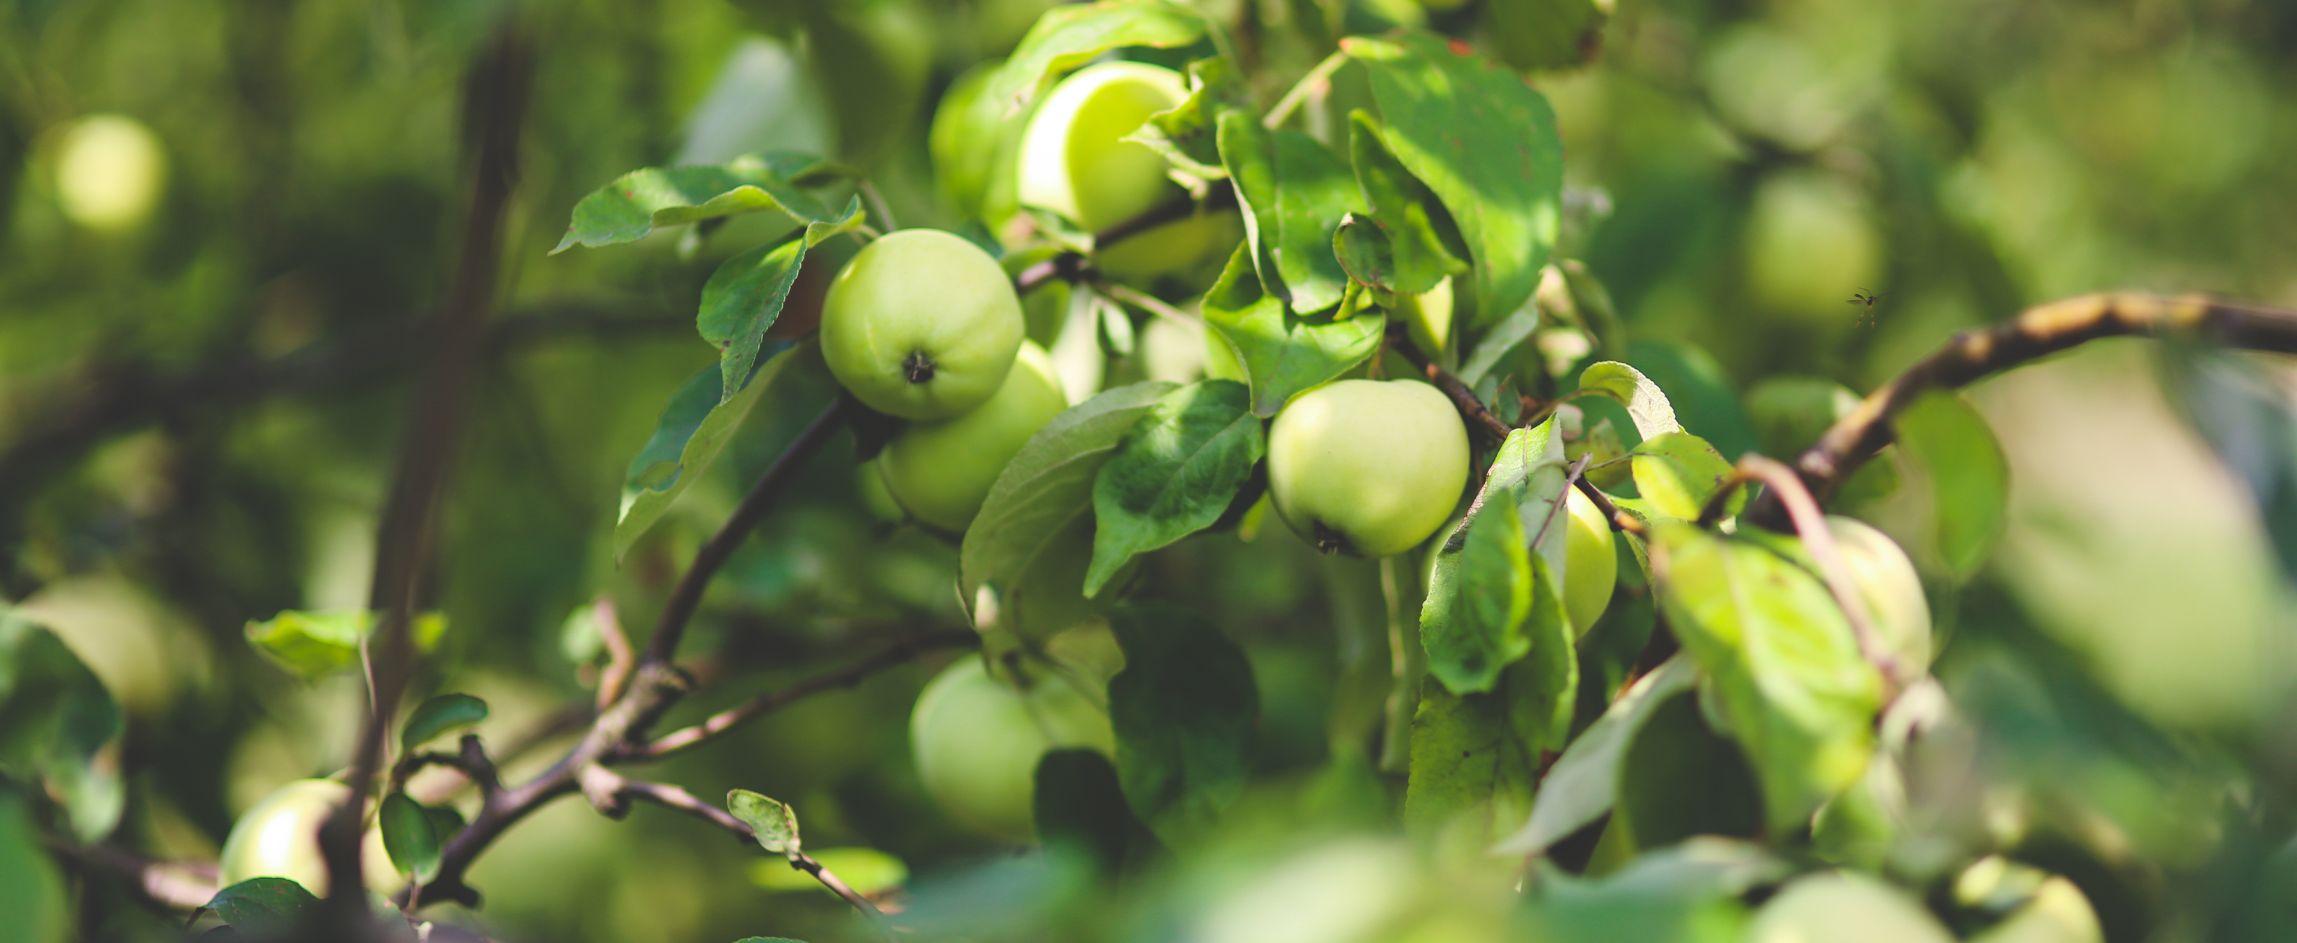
(494, 110)
(1810, 525)
(898, 653)
(616, 791)
(687, 596)
(470, 759)
(1073, 266)
(877, 205)
(174, 885)
(1577, 472)
(1126, 294)
(620, 656)
(1316, 82)
(1479, 417)
(1620, 520)
(2034, 334)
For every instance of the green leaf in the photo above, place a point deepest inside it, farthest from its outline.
(1364, 252)
(1294, 192)
(1183, 709)
(1479, 597)
(1069, 36)
(1081, 804)
(1584, 781)
(745, 295)
(1646, 404)
(774, 823)
(1424, 248)
(1688, 893)
(867, 870)
(1485, 143)
(1187, 134)
(1704, 401)
(262, 906)
(313, 645)
(1031, 542)
(1677, 472)
(693, 430)
(34, 904)
(1787, 674)
(1679, 778)
(1955, 450)
(1178, 470)
(1282, 353)
(57, 722)
(640, 201)
(438, 715)
(409, 836)
(1476, 758)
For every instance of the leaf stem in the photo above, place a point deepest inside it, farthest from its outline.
(1810, 524)
(1316, 82)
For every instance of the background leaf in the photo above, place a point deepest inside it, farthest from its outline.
(1283, 354)
(1183, 710)
(1485, 143)
(695, 427)
(1176, 473)
(1477, 758)
(1081, 804)
(1068, 37)
(439, 715)
(1954, 450)
(1584, 782)
(1032, 539)
(313, 645)
(56, 722)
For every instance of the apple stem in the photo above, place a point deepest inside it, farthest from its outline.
(918, 367)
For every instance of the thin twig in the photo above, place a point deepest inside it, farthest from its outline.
(620, 656)
(617, 791)
(1073, 266)
(494, 110)
(173, 885)
(1479, 417)
(900, 652)
(877, 205)
(1317, 81)
(1144, 301)
(2034, 334)
(1571, 476)
(686, 597)
(1621, 521)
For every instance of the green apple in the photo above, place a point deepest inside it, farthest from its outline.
(977, 740)
(1075, 160)
(279, 837)
(1368, 467)
(940, 471)
(110, 171)
(1840, 905)
(921, 324)
(1590, 564)
(1889, 586)
(2057, 913)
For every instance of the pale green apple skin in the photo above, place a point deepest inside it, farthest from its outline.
(1590, 563)
(110, 172)
(1074, 159)
(1889, 585)
(279, 837)
(1843, 905)
(940, 471)
(921, 324)
(1369, 467)
(2058, 913)
(977, 740)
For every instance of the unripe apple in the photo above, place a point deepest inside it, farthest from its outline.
(110, 170)
(279, 837)
(2057, 913)
(940, 471)
(1590, 564)
(977, 740)
(1841, 905)
(921, 324)
(1074, 158)
(1890, 587)
(1368, 467)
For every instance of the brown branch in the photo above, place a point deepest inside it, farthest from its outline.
(1810, 524)
(1074, 266)
(620, 656)
(494, 108)
(898, 653)
(614, 791)
(470, 759)
(2034, 334)
(172, 885)
(1621, 521)
(686, 597)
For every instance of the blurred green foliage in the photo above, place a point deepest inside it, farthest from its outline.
(1736, 171)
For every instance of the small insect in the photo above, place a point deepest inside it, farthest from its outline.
(1866, 299)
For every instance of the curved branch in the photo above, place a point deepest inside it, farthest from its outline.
(616, 791)
(1810, 524)
(173, 885)
(719, 723)
(2035, 333)
(1073, 266)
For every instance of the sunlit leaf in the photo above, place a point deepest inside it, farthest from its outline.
(745, 295)
(1646, 404)
(1677, 473)
(693, 430)
(773, 822)
(312, 645)
(1282, 353)
(641, 201)
(1477, 758)
(1295, 192)
(1423, 248)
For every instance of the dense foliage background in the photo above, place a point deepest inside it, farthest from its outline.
(1736, 171)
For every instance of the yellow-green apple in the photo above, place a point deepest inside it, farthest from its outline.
(921, 324)
(1368, 467)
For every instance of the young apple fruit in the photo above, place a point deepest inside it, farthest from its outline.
(1590, 564)
(1076, 163)
(1840, 905)
(1889, 586)
(279, 837)
(1367, 467)
(977, 740)
(940, 471)
(921, 324)
(110, 172)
